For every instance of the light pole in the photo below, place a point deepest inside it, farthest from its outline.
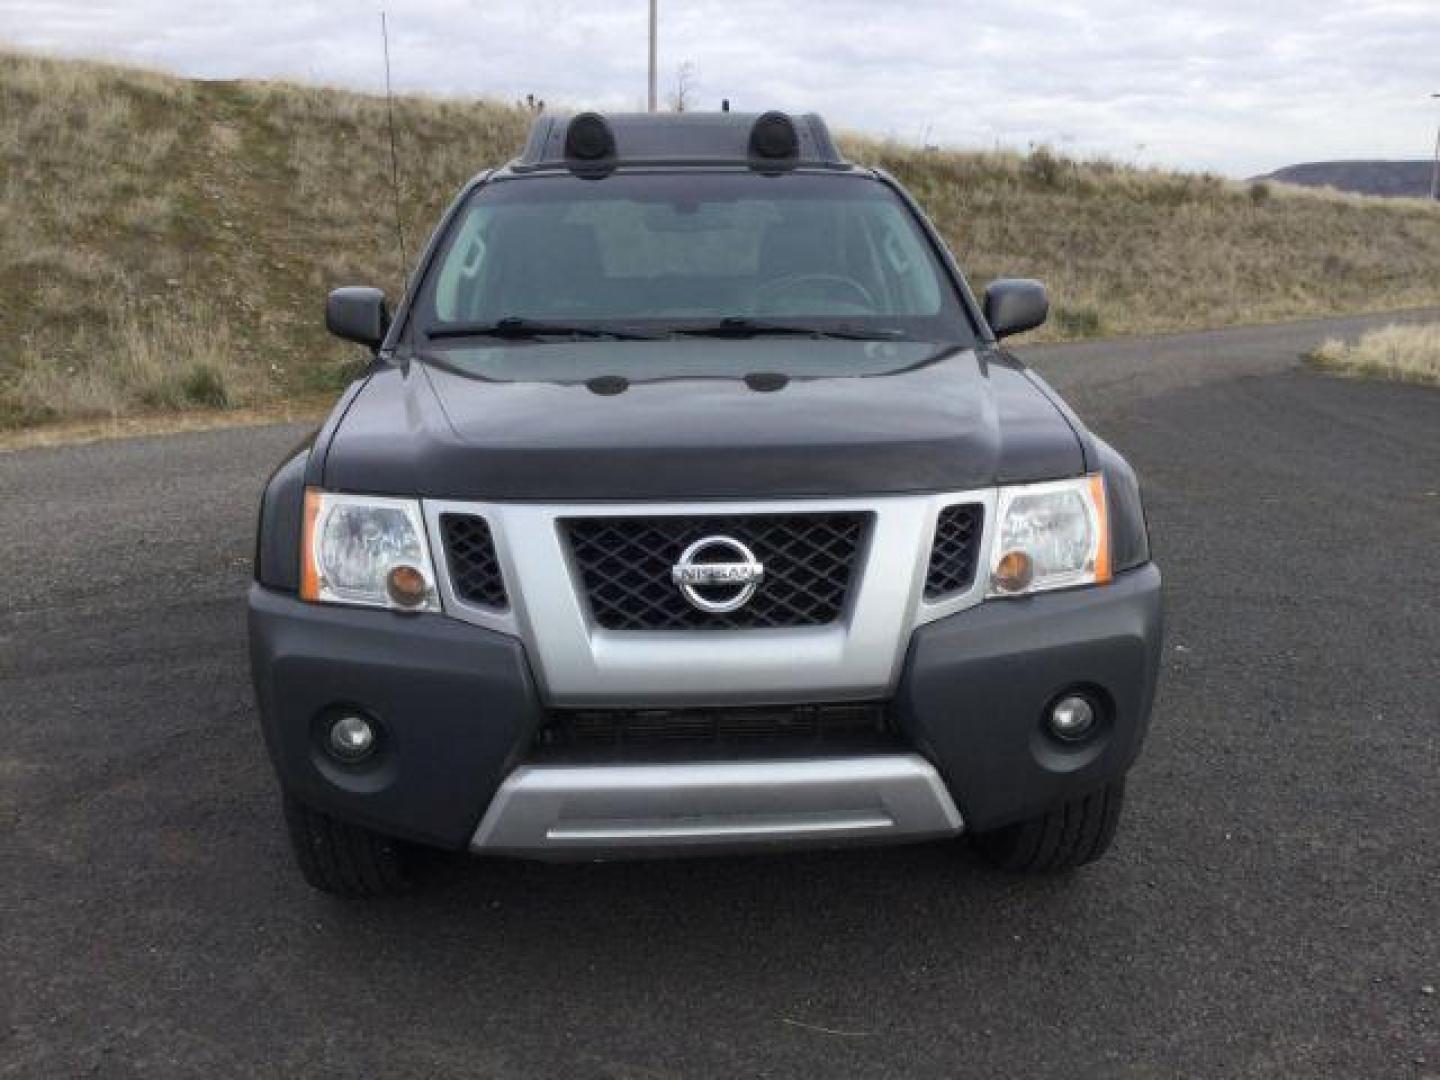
(654, 21)
(1435, 169)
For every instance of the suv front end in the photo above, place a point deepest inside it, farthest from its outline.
(658, 587)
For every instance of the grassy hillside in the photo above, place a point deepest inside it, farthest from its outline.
(167, 243)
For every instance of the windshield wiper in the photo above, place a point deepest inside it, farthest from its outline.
(513, 326)
(738, 327)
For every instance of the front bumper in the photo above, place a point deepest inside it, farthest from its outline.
(458, 710)
(455, 703)
(976, 687)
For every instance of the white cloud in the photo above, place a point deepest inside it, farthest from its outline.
(1235, 85)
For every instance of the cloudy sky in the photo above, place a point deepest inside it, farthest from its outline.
(1240, 86)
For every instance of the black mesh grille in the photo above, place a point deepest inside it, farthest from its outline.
(581, 731)
(474, 569)
(957, 546)
(626, 565)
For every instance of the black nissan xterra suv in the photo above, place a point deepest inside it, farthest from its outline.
(689, 505)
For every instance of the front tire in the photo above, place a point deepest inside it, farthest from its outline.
(343, 859)
(1071, 835)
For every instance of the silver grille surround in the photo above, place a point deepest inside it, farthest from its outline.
(576, 662)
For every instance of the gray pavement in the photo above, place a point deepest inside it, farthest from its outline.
(1271, 906)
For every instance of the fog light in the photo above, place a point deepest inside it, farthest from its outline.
(351, 737)
(1072, 718)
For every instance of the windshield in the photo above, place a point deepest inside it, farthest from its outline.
(732, 254)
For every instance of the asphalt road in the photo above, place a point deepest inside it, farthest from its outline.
(1271, 907)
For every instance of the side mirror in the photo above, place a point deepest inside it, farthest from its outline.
(1013, 305)
(357, 313)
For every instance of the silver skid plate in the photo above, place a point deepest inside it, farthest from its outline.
(608, 811)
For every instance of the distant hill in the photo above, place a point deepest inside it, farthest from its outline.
(1390, 178)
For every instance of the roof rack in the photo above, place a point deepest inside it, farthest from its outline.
(592, 144)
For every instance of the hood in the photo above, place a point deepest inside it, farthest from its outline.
(698, 418)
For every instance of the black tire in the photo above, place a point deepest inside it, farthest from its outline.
(343, 859)
(1071, 835)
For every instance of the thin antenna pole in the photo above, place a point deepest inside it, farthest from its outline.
(394, 155)
(654, 28)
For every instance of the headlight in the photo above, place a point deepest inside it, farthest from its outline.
(1050, 536)
(368, 550)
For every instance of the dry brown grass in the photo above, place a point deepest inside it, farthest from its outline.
(1127, 250)
(307, 410)
(1401, 353)
(167, 243)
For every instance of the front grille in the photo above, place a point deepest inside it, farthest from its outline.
(956, 550)
(474, 567)
(626, 564)
(765, 729)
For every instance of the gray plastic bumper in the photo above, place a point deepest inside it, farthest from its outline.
(977, 686)
(459, 709)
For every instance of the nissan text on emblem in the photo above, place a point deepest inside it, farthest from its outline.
(713, 585)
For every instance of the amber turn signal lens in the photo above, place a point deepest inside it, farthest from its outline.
(406, 585)
(1014, 572)
(309, 575)
(1102, 513)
